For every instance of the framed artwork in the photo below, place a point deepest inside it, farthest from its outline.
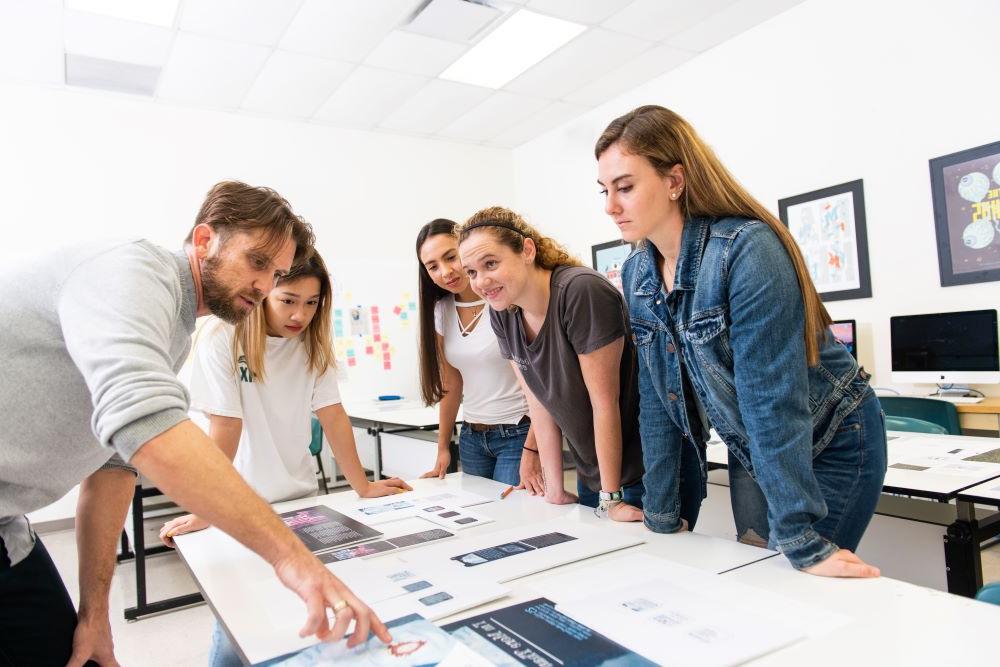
(965, 187)
(608, 259)
(829, 226)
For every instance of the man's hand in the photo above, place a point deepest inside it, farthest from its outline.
(385, 487)
(843, 563)
(531, 473)
(440, 468)
(188, 523)
(92, 641)
(306, 576)
(625, 512)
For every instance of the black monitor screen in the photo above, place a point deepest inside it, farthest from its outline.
(965, 341)
(846, 332)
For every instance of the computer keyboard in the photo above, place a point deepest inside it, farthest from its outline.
(960, 399)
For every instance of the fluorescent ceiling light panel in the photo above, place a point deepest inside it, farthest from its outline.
(518, 43)
(156, 12)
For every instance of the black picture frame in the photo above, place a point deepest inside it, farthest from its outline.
(614, 251)
(968, 244)
(826, 237)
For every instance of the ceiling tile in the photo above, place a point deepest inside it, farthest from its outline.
(497, 113)
(453, 20)
(109, 38)
(251, 21)
(346, 29)
(588, 56)
(162, 13)
(368, 95)
(591, 12)
(435, 105)
(548, 118)
(639, 70)
(656, 20)
(728, 23)
(292, 84)
(210, 72)
(407, 52)
(31, 41)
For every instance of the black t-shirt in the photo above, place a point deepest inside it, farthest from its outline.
(585, 313)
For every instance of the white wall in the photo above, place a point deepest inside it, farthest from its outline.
(73, 165)
(827, 92)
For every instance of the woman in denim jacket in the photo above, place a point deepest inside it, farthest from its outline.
(731, 333)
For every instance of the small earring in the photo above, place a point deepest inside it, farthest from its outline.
(673, 196)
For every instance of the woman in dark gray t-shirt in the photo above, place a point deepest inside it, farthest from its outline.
(565, 330)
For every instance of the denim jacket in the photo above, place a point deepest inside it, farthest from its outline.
(736, 317)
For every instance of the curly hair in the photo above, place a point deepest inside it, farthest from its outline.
(511, 230)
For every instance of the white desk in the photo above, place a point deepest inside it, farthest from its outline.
(890, 622)
(964, 531)
(382, 420)
(258, 612)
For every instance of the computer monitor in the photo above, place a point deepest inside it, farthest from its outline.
(946, 348)
(846, 332)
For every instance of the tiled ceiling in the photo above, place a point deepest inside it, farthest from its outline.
(368, 64)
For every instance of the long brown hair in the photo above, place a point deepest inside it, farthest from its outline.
(232, 206)
(431, 385)
(666, 139)
(250, 335)
(548, 252)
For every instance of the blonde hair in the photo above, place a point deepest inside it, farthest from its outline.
(250, 335)
(665, 139)
(511, 230)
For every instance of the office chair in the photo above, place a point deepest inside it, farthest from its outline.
(913, 425)
(931, 410)
(316, 448)
(989, 593)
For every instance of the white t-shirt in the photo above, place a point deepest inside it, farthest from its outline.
(273, 454)
(490, 392)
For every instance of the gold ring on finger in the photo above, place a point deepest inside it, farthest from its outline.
(338, 605)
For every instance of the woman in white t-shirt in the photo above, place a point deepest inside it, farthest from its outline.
(259, 384)
(460, 364)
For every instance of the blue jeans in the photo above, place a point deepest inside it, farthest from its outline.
(850, 471)
(631, 494)
(222, 654)
(495, 453)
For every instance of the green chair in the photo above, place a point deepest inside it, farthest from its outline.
(914, 425)
(989, 593)
(931, 410)
(316, 448)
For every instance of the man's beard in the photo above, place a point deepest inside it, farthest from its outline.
(219, 299)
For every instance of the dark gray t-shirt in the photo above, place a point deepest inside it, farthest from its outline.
(585, 313)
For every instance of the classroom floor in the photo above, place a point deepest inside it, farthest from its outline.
(182, 638)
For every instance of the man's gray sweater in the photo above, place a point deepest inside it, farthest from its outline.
(91, 339)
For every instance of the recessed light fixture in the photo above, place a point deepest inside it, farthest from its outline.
(518, 43)
(156, 12)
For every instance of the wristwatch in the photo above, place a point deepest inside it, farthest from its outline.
(607, 500)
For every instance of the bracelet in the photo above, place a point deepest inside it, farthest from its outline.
(529, 449)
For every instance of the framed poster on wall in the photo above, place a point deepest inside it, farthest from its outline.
(608, 259)
(829, 226)
(965, 187)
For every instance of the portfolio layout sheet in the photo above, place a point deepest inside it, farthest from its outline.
(535, 633)
(321, 528)
(415, 642)
(517, 552)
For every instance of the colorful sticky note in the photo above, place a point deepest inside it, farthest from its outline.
(413, 305)
(377, 337)
(397, 310)
(351, 361)
(387, 366)
(369, 349)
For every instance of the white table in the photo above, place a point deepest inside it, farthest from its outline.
(888, 622)
(964, 530)
(253, 606)
(383, 420)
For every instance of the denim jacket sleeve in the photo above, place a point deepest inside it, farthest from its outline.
(772, 389)
(661, 457)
